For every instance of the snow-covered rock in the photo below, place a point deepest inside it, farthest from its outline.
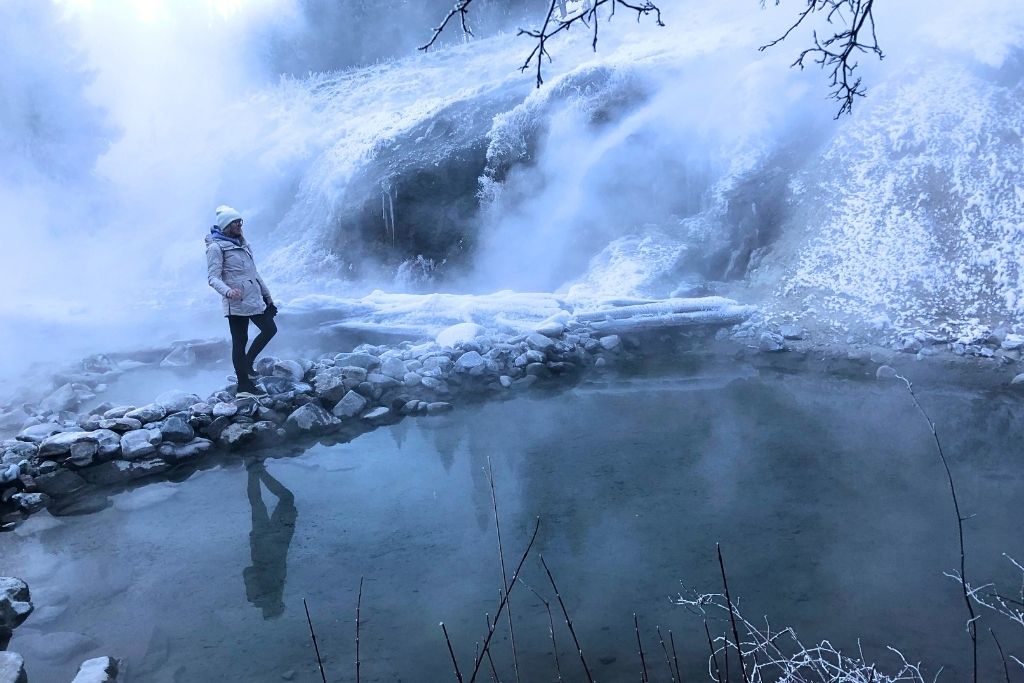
(311, 418)
(140, 443)
(175, 401)
(15, 604)
(460, 332)
(147, 413)
(98, 670)
(64, 398)
(12, 668)
(350, 405)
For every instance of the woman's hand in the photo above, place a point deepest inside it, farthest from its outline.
(234, 294)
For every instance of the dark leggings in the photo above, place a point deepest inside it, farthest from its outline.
(239, 325)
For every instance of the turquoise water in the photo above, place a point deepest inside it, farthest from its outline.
(828, 499)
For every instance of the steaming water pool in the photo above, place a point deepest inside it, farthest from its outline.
(827, 496)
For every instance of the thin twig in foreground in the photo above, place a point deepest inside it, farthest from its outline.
(504, 601)
(732, 617)
(675, 657)
(972, 627)
(714, 655)
(1002, 656)
(359, 604)
(668, 661)
(640, 647)
(504, 576)
(568, 621)
(316, 648)
(451, 651)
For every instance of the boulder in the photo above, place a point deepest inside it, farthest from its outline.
(610, 342)
(119, 411)
(140, 443)
(12, 668)
(120, 471)
(120, 424)
(21, 449)
(350, 405)
(177, 429)
(440, 386)
(64, 398)
(354, 372)
(541, 342)
(60, 444)
(99, 363)
(108, 443)
(1018, 379)
(359, 359)
(201, 408)
(331, 388)
(471, 362)
(59, 483)
(36, 433)
(180, 452)
(311, 419)
(236, 434)
(378, 414)
(82, 454)
(31, 502)
(412, 379)
(224, 409)
(438, 407)
(98, 670)
(289, 369)
(393, 367)
(459, 333)
(15, 604)
(175, 401)
(147, 413)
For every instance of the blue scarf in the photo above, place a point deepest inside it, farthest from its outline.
(218, 235)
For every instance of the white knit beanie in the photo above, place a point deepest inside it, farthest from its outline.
(225, 216)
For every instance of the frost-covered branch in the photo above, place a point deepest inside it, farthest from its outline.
(779, 655)
(558, 18)
(853, 26)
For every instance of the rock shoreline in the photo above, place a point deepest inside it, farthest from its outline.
(60, 454)
(337, 395)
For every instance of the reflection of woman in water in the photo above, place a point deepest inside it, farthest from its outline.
(268, 541)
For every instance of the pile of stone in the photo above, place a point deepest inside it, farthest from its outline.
(62, 453)
(15, 608)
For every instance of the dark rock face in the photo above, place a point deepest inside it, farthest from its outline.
(15, 604)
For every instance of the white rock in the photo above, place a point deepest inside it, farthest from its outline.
(350, 405)
(12, 668)
(224, 409)
(393, 367)
(175, 400)
(15, 603)
(98, 670)
(377, 414)
(140, 443)
(147, 413)
(469, 361)
(885, 372)
(63, 398)
(612, 341)
(289, 369)
(1019, 379)
(460, 332)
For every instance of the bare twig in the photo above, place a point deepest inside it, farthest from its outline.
(972, 627)
(1002, 656)
(714, 655)
(568, 621)
(316, 648)
(675, 657)
(504, 576)
(732, 618)
(359, 604)
(671, 673)
(551, 629)
(552, 26)
(490, 660)
(839, 51)
(451, 651)
(640, 647)
(504, 601)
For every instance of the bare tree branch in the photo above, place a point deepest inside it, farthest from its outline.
(553, 25)
(853, 25)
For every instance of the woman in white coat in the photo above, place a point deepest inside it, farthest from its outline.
(232, 272)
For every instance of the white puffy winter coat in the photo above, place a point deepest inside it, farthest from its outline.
(229, 266)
